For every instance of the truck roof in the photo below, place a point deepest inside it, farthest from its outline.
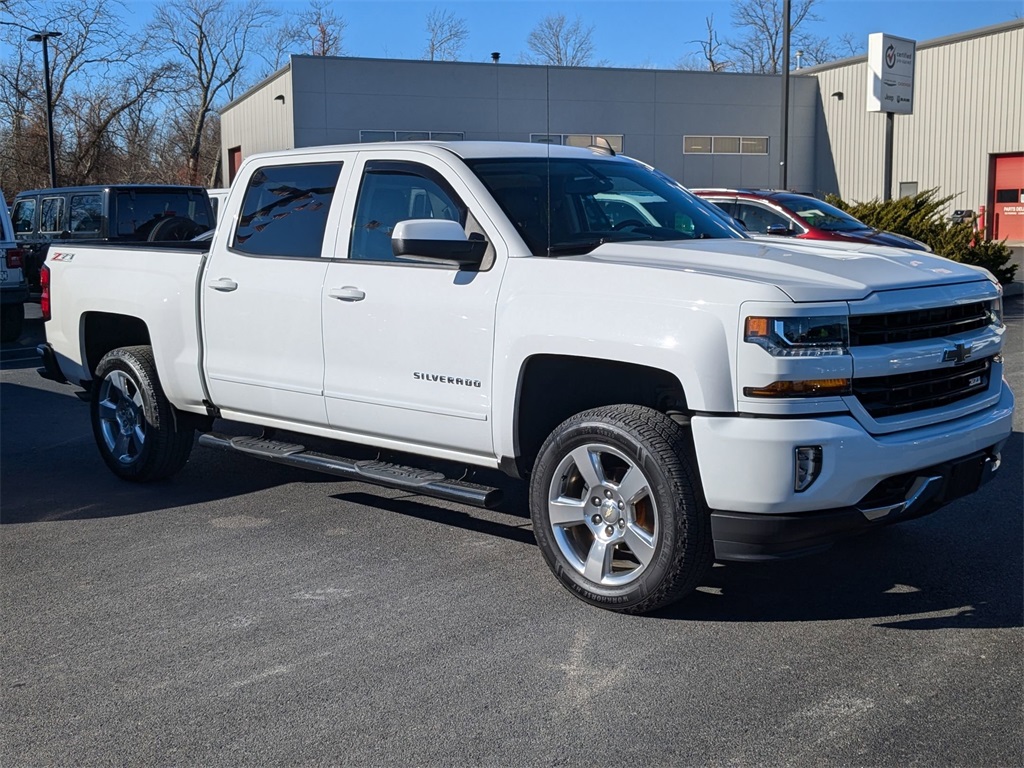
(99, 187)
(467, 150)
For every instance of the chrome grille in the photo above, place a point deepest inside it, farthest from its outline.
(896, 327)
(908, 392)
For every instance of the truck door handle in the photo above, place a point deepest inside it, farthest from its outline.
(224, 284)
(347, 293)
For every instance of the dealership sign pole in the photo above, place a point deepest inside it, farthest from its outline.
(890, 87)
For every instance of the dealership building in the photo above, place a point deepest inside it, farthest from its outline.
(964, 137)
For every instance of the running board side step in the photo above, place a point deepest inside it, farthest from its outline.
(419, 481)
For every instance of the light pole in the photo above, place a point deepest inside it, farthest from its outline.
(784, 165)
(43, 37)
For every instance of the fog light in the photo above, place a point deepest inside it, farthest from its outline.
(808, 466)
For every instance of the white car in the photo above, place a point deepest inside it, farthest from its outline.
(13, 287)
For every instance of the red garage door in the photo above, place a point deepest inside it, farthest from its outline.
(1008, 197)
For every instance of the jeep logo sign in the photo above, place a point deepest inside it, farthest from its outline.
(891, 74)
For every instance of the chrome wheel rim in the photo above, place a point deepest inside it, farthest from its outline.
(603, 515)
(122, 417)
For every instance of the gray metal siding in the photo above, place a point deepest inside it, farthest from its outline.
(967, 106)
(335, 98)
(258, 122)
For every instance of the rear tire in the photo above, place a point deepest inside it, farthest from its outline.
(141, 436)
(618, 511)
(12, 322)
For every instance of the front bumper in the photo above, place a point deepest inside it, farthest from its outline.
(757, 537)
(747, 467)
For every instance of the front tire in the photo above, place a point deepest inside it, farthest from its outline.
(141, 436)
(617, 509)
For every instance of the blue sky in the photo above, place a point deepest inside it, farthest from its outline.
(629, 33)
(626, 33)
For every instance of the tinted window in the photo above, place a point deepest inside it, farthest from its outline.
(140, 211)
(573, 206)
(393, 193)
(285, 209)
(86, 213)
(52, 216)
(24, 215)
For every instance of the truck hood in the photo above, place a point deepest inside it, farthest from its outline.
(805, 271)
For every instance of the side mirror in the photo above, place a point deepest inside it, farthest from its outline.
(437, 240)
(778, 229)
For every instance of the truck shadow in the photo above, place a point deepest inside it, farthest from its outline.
(962, 567)
(52, 471)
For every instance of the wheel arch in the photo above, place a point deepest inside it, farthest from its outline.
(102, 332)
(553, 387)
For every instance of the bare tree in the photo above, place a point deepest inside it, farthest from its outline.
(711, 48)
(317, 31)
(446, 34)
(760, 24)
(211, 39)
(320, 30)
(98, 72)
(558, 42)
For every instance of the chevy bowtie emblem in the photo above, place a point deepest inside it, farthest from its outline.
(959, 354)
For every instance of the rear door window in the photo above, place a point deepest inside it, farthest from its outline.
(284, 212)
(51, 218)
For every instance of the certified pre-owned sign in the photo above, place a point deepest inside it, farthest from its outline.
(891, 74)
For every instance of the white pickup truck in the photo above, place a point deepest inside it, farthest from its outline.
(673, 390)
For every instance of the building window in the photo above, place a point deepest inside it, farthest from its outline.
(370, 137)
(578, 139)
(447, 136)
(908, 188)
(697, 145)
(725, 145)
(754, 145)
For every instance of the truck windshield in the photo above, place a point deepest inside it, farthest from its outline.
(570, 206)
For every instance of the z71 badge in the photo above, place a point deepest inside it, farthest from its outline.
(62, 256)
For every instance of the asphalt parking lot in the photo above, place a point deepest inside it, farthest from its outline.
(249, 614)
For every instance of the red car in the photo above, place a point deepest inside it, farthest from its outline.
(770, 212)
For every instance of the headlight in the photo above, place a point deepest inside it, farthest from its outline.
(994, 310)
(799, 336)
